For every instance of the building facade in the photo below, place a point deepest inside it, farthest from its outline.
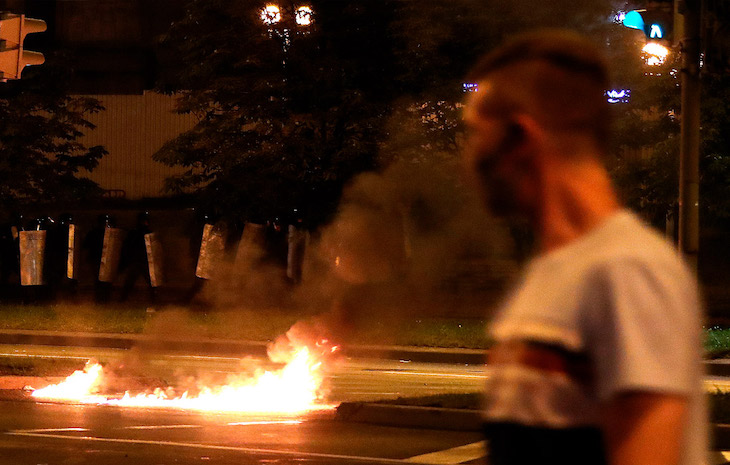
(113, 48)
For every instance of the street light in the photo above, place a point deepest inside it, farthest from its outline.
(270, 15)
(655, 53)
(303, 16)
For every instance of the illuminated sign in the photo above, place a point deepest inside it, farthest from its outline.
(655, 23)
(634, 20)
(470, 87)
(618, 95)
(619, 16)
(656, 32)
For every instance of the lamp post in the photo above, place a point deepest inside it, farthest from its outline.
(281, 24)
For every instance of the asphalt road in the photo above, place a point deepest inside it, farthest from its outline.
(46, 433)
(346, 380)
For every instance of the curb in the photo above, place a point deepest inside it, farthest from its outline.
(410, 417)
(128, 341)
(717, 367)
(720, 439)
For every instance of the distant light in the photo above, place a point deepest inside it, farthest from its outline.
(304, 16)
(270, 14)
(634, 20)
(470, 87)
(618, 95)
(619, 16)
(656, 54)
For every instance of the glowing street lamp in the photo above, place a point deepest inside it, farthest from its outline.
(303, 16)
(655, 53)
(270, 15)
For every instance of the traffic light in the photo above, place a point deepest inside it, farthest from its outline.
(13, 58)
(656, 23)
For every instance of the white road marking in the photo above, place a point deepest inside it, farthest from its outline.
(163, 427)
(206, 357)
(425, 373)
(70, 357)
(47, 430)
(266, 422)
(453, 456)
(371, 393)
(285, 453)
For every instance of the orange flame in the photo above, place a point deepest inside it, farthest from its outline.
(296, 388)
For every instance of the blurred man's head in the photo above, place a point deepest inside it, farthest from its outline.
(538, 92)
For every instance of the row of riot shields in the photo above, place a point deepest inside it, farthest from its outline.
(33, 253)
(249, 251)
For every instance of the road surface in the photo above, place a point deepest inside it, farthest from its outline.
(47, 433)
(346, 380)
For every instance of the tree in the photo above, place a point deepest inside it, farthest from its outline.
(644, 150)
(715, 151)
(41, 153)
(647, 136)
(287, 113)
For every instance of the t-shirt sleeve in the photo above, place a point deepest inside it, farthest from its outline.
(642, 325)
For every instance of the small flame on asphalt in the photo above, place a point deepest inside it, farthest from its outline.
(294, 389)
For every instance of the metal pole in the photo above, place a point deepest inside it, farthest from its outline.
(689, 155)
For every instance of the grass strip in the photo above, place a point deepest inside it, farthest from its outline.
(26, 366)
(241, 324)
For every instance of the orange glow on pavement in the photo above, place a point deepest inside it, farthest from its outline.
(295, 388)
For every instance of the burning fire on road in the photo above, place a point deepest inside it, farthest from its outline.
(294, 389)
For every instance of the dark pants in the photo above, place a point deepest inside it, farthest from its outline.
(515, 444)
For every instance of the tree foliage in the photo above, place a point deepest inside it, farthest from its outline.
(644, 148)
(287, 113)
(647, 141)
(41, 153)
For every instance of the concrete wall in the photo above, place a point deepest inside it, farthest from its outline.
(133, 128)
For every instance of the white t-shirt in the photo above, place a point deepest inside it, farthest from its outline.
(621, 297)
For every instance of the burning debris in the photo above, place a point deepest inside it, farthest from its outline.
(294, 389)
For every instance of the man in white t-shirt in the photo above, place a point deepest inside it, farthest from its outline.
(597, 355)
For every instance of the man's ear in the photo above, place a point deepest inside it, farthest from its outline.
(527, 131)
(514, 134)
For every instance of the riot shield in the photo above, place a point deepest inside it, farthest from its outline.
(295, 257)
(32, 249)
(71, 257)
(211, 251)
(111, 252)
(154, 259)
(251, 247)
